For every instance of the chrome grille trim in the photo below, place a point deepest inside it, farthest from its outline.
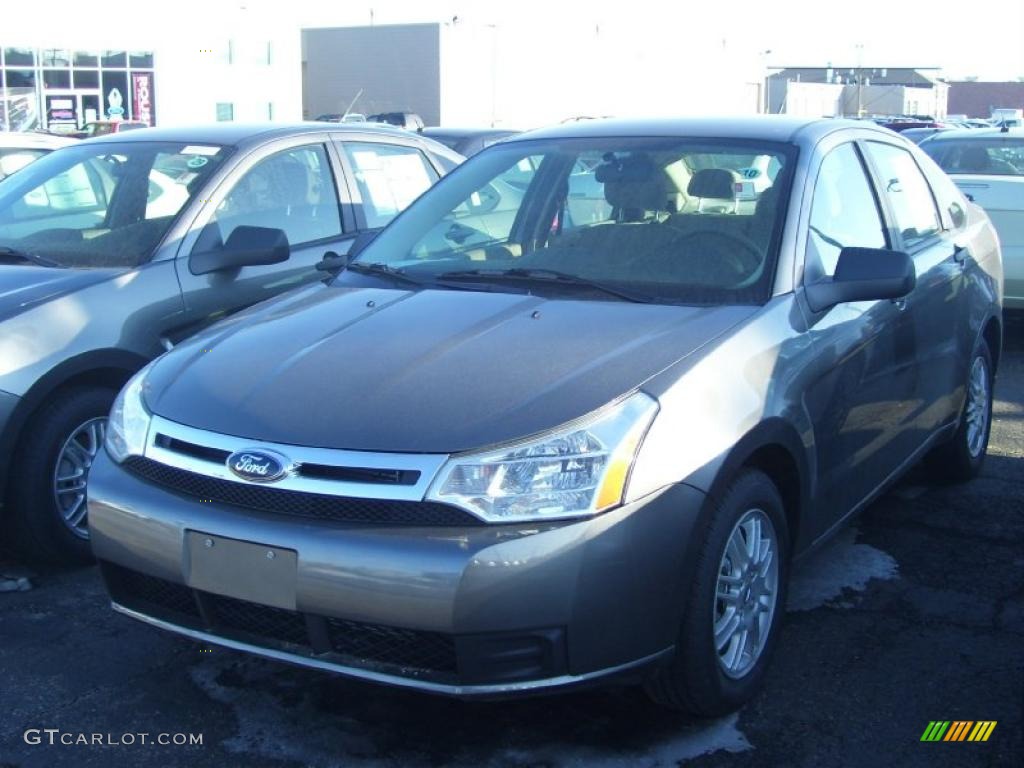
(427, 465)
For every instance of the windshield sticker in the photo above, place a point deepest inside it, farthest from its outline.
(199, 149)
(196, 162)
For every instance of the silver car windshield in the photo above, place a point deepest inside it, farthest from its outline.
(665, 220)
(101, 204)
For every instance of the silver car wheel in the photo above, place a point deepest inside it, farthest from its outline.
(978, 404)
(72, 472)
(746, 594)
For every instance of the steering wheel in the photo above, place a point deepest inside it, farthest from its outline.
(741, 263)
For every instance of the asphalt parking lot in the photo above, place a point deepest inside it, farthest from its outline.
(914, 614)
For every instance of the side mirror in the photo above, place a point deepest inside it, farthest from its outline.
(864, 274)
(246, 247)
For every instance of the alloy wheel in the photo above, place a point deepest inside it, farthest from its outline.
(978, 405)
(746, 594)
(72, 472)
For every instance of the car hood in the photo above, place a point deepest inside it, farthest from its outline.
(22, 287)
(429, 371)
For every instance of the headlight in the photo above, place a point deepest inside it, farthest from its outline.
(128, 425)
(577, 470)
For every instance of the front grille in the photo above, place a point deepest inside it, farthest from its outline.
(300, 504)
(259, 620)
(352, 643)
(421, 650)
(152, 593)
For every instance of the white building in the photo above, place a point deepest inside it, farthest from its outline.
(223, 62)
(522, 74)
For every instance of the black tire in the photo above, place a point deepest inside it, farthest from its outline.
(953, 461)
(695, 681)
(38, 529)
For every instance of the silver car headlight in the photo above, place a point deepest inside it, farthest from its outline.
(575, 471)
(128, 425)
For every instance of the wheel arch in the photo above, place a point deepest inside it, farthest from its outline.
(775, 448)
(102, 367)
(992, 333)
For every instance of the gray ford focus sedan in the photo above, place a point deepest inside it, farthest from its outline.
(570, 418)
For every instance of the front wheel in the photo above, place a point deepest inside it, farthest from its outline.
(50, 472)
(960, 459)
(732, 616)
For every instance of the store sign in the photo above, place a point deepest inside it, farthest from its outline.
(114, 102)
(142, 97)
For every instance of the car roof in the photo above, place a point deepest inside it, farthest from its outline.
(34, 140)
(977, 133)
(777, 128)
(238, 134)
(465, 133)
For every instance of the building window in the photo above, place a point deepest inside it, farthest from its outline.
(270, 53)
(56, 57)
(86, 59)
(225, 112)
(114, 59)
(270, 110)
(140, 59)
(19, 57)
(56, 78)
(229, 53)
(86, 78)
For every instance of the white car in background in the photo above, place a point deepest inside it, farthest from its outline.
(19, 149)
(988, 167)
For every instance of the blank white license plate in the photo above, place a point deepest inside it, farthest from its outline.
(260, 573)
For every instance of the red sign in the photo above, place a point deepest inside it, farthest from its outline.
(142, 97)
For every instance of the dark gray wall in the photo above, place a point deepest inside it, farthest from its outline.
(398, 67)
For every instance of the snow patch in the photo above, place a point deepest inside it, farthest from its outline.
(278, 719)
(841, 564)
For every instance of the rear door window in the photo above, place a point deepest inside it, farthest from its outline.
(388, 177)
(907, 191)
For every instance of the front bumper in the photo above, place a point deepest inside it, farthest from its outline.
(475, 611)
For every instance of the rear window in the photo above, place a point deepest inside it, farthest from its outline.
(991, 157)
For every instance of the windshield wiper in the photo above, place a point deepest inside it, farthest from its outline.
(13, 254)
(384, 270)
(397, 273)
(549, 276)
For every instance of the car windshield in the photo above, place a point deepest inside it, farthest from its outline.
(990, 157)
(101, 205)
(661, 220)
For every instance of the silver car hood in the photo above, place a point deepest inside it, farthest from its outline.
(23, 287)
(431, 371)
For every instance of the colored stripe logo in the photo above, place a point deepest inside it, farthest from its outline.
(958, 730)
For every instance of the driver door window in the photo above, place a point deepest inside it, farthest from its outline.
(292, 190)
(844, 213)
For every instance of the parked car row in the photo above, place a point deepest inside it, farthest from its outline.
(579, 441)
(566, 416)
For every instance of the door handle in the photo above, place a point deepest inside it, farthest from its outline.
(900, 303)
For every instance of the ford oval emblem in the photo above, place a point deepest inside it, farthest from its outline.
(258, 466)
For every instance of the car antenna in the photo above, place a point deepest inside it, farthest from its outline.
(352, 104)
